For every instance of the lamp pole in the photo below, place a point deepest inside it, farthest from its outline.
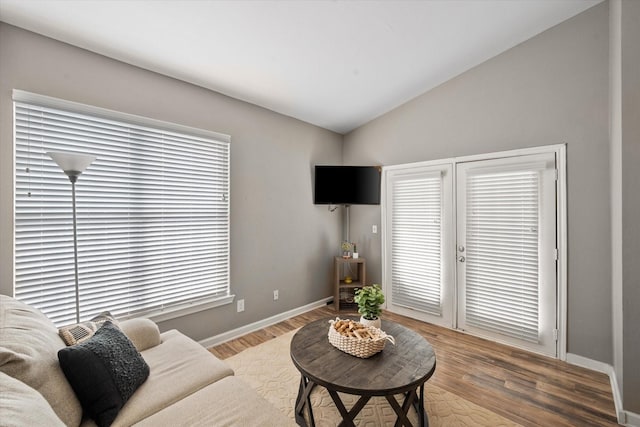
(73, 164)
(73, 179)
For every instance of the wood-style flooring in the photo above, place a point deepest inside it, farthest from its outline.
(524, 387)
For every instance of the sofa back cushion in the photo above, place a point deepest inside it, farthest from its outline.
(29, 345)
(20, 405)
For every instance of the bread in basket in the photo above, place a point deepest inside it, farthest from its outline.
(357, 339)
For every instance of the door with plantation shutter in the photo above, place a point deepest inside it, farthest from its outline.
(472, 244)
(506, 250)
(418, 235)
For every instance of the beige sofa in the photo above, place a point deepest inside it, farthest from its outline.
(187, 385)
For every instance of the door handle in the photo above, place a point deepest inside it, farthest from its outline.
(461, 258)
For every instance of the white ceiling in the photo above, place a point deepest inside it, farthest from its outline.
(336, 64)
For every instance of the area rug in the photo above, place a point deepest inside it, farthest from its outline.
(268, 369)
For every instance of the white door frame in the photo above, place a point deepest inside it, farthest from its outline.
(561, 224)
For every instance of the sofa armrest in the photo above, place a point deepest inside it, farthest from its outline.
(144, 333)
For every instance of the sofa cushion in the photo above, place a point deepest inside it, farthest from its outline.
(29, 344)
(20, 405)
(143, 333)
(79, 332)
(228, 402)
(178, 366)
(104, 371)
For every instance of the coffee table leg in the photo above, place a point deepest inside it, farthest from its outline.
(402, 411)
(422, 414)
(413, 398)
(348, 416)
(304, 399)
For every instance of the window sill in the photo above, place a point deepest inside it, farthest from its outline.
(186, 309)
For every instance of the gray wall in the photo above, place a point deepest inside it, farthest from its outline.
(630, 27)
(550, 89)
(279, 239)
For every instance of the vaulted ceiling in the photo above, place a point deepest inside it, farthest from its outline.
(337, 64)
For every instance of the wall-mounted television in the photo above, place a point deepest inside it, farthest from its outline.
(347, 185)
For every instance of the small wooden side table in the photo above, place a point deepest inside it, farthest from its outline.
(343, 291)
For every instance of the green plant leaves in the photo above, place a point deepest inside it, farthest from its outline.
(369, 300)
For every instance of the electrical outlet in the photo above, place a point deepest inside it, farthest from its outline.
(374, 229)
(275, 295)
(240, 305)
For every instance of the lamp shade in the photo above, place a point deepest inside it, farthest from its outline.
(73, 164)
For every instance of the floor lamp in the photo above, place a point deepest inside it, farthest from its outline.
(73, 164)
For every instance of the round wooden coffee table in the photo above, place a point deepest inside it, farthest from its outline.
(400, 369)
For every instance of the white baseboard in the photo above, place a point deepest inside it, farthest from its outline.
(633, 419)
(585, 362)
(622, 415)
(255, 326)
(617, 395)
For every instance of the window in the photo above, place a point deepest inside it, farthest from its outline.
(152, 212)
(502, 224)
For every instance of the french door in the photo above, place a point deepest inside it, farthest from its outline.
(419, 232)
(506, 241)
(471, 245)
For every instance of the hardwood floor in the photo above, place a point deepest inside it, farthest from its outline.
(524, 387)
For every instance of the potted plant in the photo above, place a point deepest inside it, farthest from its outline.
(369, 300)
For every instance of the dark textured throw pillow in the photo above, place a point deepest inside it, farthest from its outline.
(104, 371)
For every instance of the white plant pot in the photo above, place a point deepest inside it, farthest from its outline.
(355, 255)
(376, 322)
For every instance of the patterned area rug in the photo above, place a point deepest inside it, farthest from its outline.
(269, 370)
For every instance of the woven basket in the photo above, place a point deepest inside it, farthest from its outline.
(355, 346)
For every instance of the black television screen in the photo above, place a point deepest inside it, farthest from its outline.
(347, 185)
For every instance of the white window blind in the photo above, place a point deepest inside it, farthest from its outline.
(416, 242)
(502, 280)
(152, 215)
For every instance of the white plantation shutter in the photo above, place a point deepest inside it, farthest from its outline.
(502, 246)
(416, 241)
(152, 214)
